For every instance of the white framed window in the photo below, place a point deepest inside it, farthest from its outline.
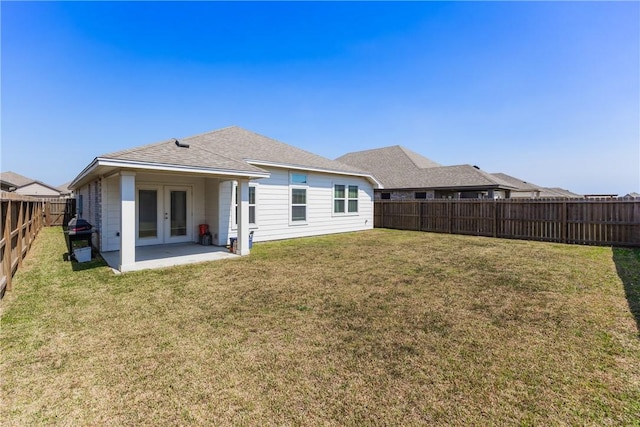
(298, 192)
(345, 199)
(252, 204)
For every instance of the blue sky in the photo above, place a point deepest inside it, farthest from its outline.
(546, 91)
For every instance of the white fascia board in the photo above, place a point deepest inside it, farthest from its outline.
(163, 167)
(178, 168)
(86, 171)
(313, 169)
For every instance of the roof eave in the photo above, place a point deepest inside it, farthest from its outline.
(370, 177)
(455, 187)
(100, 161)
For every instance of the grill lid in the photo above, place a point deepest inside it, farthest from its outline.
(78, 224)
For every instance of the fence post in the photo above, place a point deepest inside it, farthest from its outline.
(563, 222)
(7, 245)
(495, 217)
(635, 233)
(420, 213)
(20, 231)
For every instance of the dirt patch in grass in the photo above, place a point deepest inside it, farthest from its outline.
(381, 327)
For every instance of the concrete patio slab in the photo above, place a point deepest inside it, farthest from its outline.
(159, 256)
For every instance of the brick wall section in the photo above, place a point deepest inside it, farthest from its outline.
(92, 207)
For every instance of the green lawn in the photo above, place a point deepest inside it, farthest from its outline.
(375, 328)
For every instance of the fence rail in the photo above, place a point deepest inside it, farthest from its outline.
(611, 222)
(21, 220)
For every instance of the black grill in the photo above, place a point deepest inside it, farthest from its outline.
(79, 226)
(78, 234)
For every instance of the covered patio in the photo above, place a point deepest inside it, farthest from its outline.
(168, 255)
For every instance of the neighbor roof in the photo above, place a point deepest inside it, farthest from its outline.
(19, 181)
(398, 167)
(552, 192)
(519, 184)
(232, 149)
(388, 164)
(15, 179)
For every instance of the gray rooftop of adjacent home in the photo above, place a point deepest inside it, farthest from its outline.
(519, 184)
(456, 176)
(390, 165)
(399, 167)
(16, 179)
(552, 192)
(231, 148)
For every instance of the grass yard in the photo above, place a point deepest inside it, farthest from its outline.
(376, 328)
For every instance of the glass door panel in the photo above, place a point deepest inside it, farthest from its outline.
(147, 214)
(178, 213)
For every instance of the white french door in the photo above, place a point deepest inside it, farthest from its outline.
(163, 214)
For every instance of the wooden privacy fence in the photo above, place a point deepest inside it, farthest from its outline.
(22, 218)
(21, 221)
(58, 212)
(611, 222)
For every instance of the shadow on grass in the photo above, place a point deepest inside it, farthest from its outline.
(95, 262)
(628, 265)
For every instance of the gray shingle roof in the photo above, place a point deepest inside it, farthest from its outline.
(15, 179)
(19, 181)
(390, 165)
(398, 167)
(557, 192)
(456, 176)
(519, 184)
(231, 148)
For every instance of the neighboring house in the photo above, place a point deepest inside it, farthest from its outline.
(521, 189)
(11, 181)
(406, 175)
(234, 180)
(65, 191)
(632, 195)
(529, 190)
(558, 193)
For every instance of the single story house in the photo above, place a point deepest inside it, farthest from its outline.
(528, 190)
(406, 175)
(522, 189)
(234, 180)
(19, 184)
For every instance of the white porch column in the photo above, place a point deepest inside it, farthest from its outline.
(243, 217)
(127, 220)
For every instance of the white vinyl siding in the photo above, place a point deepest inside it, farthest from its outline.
(213, 205)
(274, 205)
(110, 237)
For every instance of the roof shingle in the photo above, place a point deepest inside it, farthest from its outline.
(231, 148)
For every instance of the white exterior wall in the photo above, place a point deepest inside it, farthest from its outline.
(111, 221)
(201, 190)
(211, 206)
(225, 209)
(212, 203)
(273, 207)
